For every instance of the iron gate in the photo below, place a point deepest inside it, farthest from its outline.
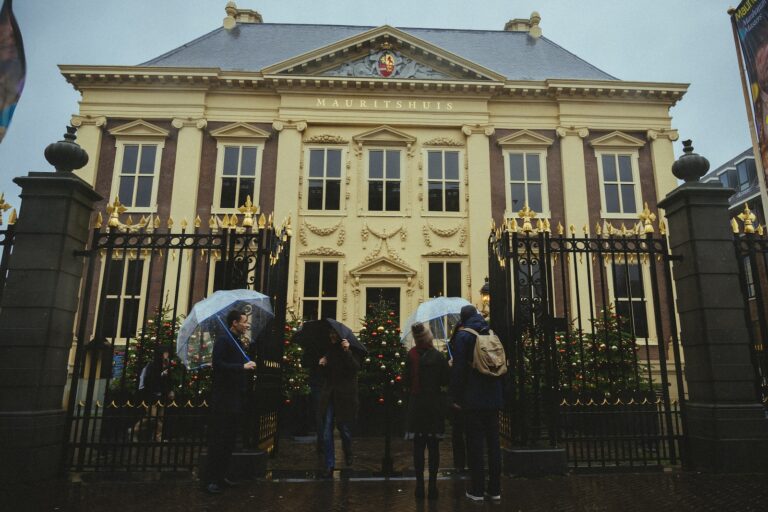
(588, 323)
(141, 279)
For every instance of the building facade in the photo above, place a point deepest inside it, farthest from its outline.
(391, 150)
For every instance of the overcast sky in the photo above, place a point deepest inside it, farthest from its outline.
(688, 41)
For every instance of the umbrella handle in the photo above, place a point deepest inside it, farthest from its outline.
(247, 359)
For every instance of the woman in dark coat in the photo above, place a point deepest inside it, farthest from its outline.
(426, 372)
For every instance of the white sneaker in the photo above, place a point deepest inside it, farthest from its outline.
(473, 497)
(493, 497)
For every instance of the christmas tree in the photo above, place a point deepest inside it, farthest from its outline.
(381, 372)
(295, 376)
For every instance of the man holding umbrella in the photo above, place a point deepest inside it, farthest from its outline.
(230, 370)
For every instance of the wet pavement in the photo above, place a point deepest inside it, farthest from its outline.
(290, 485)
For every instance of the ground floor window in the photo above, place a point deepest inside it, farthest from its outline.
(321, 289)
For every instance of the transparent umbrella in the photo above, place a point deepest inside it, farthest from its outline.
(441, 313)
(208, 318)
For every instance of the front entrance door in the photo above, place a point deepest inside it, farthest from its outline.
(390, 295)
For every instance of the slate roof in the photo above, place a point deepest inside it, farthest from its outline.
(254, 46)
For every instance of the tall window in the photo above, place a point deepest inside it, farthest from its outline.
(324, 179)
(630, 298)
(138, 175)
(444, 279)
(384, 180)
(619, 185)
(320, 289)
(238, 176)
(526, 182)
(443, 181)
(746, 175)
(123, 280)
(237, 277)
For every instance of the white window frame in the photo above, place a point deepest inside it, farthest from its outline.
(634, 162)
(118, 169)
(645, 274)
(221, 146)
(462, 275)
(117, 256)
(367, 179)
(344, 179)
(320, 299)
(542, 153)
(426, 212)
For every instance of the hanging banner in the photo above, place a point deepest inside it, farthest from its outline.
(750, 20)
(12, 66)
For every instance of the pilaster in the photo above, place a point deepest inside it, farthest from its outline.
(662, 158)
(89, 131)
(478, 203)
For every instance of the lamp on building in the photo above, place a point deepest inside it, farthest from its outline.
(485, 297)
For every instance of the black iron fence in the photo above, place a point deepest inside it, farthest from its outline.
(752, 256)
(142, 278)
(591, 334)
(6, 242)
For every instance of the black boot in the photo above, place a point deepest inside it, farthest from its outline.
(419, 489)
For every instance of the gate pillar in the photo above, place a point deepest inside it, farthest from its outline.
(37, 314)
(725, 425)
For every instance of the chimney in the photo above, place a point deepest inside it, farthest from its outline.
(525, 25)
(235, 16)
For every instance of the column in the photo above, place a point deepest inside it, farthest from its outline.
(662, 158)
(478, 204)
(37, 316)
(186, 177)
(89, 130)
(288, 185)
(576, 211)
(725, 424)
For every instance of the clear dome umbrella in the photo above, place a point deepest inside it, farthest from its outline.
(208, 318)
(441, 313)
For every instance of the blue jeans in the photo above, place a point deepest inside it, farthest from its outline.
(346, 437)
(483, 434)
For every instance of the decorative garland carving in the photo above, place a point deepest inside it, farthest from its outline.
(427, 239)
(322, 251)
(320, 231)
(444, 252)
(445, 233)
(303, 235)
(403, 234)
(326, 139)
(384, 247)
(443, 141)
(342, 235)
(364, 233)
(382, 234)
(463, 236)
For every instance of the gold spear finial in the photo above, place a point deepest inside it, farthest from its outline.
(547, 227)
(170, 222)
(527, 215)
(198, 222)
(98, 223)
(129, 221)
(212, 225)
(539, 225)
(572, 229)
(647, 217)
(184, 223)
(662, 227)
(158, 222)
(747, 217)
(288, 230)
(585, 229)
(598, 230)
(114, 210)
(734, 226)
(12, 218)
(513, 225)
(3, 206)
(560, 228)
(262, 221)
(233, 220)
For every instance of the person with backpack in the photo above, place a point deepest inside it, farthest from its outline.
(426, 372)
(476, 388)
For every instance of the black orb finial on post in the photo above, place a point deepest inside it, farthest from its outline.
(66, 155)
(691, 166)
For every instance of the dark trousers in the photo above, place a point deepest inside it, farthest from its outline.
(222, 434)
(458, 439)
(483, 435)
(345, 431)
(421, 442)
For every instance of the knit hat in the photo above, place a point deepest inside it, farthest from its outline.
(421, 334)
(468, 311)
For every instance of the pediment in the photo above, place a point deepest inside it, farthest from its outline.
(616, 140)
(239, 131)
(139, 128)
(384, 135)
(525, 138)
(385, 53)
(383, 266)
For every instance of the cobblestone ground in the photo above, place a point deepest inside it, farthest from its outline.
(290, 486)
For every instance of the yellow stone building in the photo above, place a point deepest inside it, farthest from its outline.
(390, 149)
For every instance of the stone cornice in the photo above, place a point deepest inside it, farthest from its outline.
(478, 129)
(564, 131)
(86, 77)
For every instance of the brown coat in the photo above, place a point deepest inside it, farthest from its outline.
(339, 384)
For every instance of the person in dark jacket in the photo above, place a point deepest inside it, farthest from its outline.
(156, 388)
(230, 372)
(426, 372)
(479, 397)
(338, 401)
(456, 419)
